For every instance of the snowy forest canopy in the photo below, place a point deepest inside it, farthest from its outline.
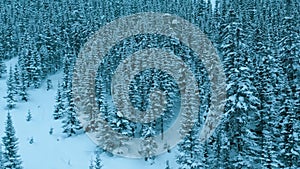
(258, 42)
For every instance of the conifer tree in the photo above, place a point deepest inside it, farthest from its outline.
(36, 70)
(242, 100)
(91, 164)
(148, 148)
(11, 93)
(11, 158)
(265, 83)
(29, 116)
(71, 125)
(16, 76)
(167, 165)
(2, 67)
(23, 88)
(217, 149)
(59, 106)
(97, 163)
(257, 41)
(49, 84)
(191, 154)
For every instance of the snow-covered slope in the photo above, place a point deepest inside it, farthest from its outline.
(56, 151)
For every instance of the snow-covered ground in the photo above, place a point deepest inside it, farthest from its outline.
(56, 151)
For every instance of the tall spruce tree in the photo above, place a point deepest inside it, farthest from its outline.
(11, 92)
(11, 158)
(191, 152)
(23, 88)
(2, 67)
(265, 67)
(242, 100)
(71, 125)
(59, 107)
(97, 163)
(16, 76)
(167, 165)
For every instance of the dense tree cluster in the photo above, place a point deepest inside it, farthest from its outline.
(257, 41)
(259, 45)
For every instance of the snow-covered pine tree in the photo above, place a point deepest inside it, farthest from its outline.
(2, 67)
(191, 150)
(71, 125)
(191, 154)
(89, 104)
(11, 93)
(9, 36)
(23, 65)
(91, 166)
(267, 114)
(242, 101)
(122, 125)
(66, 90)
(49, 84)
(167, 165)
(11, 158)
(16, 76)
(109, 140)
(148, 148)
(23, 88)
(278, 81)
(148, 131)
(51, 35)
(59, 107)
(288, 155)
(265, 83)
(36, 69)
(29, 116)
(97, 163)
(215, 24)
(68, 70)
(215, 149)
